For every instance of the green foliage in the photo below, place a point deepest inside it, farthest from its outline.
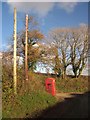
(27, 104)
(31, 101)
(7, 81)
(72, 84)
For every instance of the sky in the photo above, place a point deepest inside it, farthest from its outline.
(48, 14)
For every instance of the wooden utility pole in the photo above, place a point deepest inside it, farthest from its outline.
(15, 40)
(26, 49)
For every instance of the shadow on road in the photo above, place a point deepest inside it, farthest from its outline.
(74, 107)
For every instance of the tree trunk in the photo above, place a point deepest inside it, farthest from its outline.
(64, 73)
(75, 72)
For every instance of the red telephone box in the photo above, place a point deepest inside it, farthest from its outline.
(50, 86)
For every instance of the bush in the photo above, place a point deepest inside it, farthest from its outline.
(72, 84)
(31, 98)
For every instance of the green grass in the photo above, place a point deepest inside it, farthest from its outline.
(32, 98)
(27, 105)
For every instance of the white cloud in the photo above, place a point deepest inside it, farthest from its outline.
(83, 24)
(67, 6)
(42, 9)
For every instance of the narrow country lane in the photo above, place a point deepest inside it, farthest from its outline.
(71, 105)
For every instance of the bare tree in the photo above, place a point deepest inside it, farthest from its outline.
(72, 45)
(59, 37)
(78, 49)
